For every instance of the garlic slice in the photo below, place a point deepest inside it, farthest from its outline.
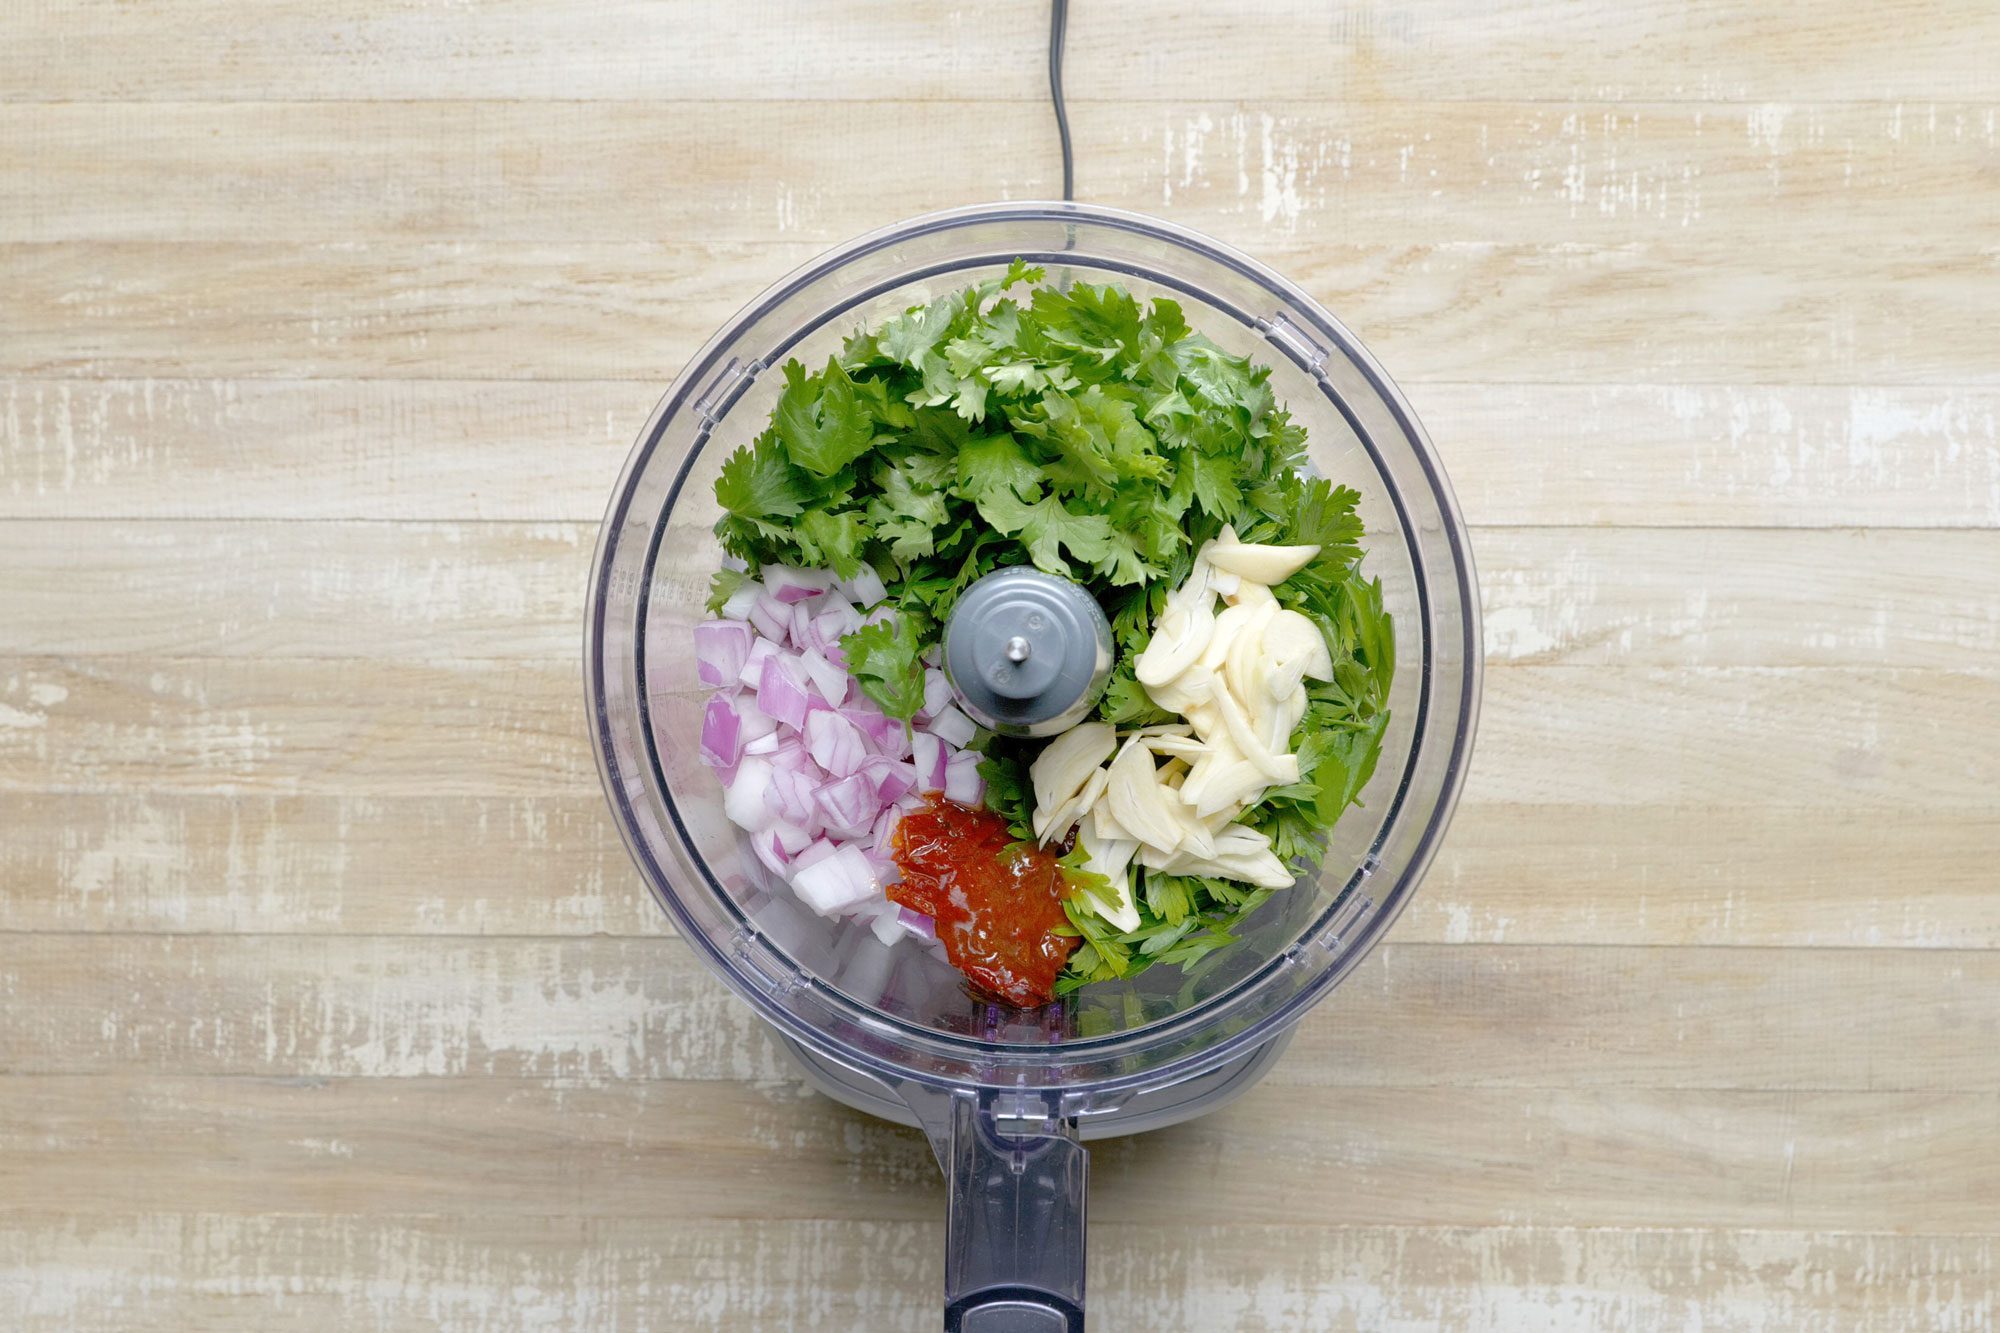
(1065, 765)
(1257, 563)
(1295, 644)
(1139, 803)
(1240, 853)
(1185, 692)
(1180, 636)
(1111, 858)
(1282, 770)
(1063, 818)
(1247, 664)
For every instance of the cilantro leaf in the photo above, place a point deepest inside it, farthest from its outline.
(833, 539)
(820, 419)
(757, 483)
(885, 660)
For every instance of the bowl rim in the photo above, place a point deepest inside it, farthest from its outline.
(1017, 1065)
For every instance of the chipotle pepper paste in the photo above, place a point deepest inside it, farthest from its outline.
(996, 905)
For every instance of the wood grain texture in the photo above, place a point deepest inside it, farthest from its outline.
(728, 50)
(696, 1149)
(1779, 456)
(594, 1012)
(462, 1273)
(1300, 172)
(1911, 313)
(328, 995)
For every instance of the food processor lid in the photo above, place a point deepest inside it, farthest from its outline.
(792, 991)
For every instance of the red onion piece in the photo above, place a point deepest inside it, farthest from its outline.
(782, 692)
(720, 647)
(721, 734)
(772, 618)
(737, 605)
(790, 584)
(761, 652)
(952, 727)
(835, 744)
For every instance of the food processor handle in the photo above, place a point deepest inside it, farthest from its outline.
(1014, 1242)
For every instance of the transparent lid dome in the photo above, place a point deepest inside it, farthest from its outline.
(900, 1012)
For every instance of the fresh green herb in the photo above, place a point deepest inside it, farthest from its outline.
(1098, 438)
(886, 659)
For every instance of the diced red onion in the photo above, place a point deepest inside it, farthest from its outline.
(816, 851)
(962, 782)
(866, 587)
(871, 723)
(929, 752)
(772, 618)
(747, 799)
(792, 838)
(790, 584)
(752, 673)
(737, 605)
(879, 615)
(834, 744)
(799, 625)
(893, 778)
(782, 692)
(794, 789)
(882, 834)
(720, 647)
(721, 734)
(755, 721)
(917, 923)
(952, 727)
(767, 744)
(834, 622)
(937, 693)
(828, 679)
(769, 851)
(840, 882)
(895, 742)
(848, 805)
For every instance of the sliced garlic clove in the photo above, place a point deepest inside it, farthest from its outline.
(1065, 765)
(1111, 858)
(1247, 664)
(1196, 840)
(1233, 787)
(1180, 637)
(1257, 563)
(1106, 825)
(1280, 769)
(1182, 747)
(1185, 692)
(1063, 818)
(1139, 802)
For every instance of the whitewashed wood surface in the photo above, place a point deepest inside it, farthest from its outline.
(327, 997)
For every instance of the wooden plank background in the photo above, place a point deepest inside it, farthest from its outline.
(327, 996)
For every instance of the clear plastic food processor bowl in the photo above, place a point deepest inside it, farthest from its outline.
(1005, 1094)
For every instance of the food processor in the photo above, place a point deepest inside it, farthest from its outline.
(1007, 1096)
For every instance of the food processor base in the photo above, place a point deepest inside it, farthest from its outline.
(1104, 1117)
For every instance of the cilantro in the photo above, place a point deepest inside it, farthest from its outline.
(885, 660)
(821, 419)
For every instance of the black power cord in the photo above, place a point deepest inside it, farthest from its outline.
(1058, 22)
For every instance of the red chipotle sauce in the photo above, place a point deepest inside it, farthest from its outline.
(997, 905)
